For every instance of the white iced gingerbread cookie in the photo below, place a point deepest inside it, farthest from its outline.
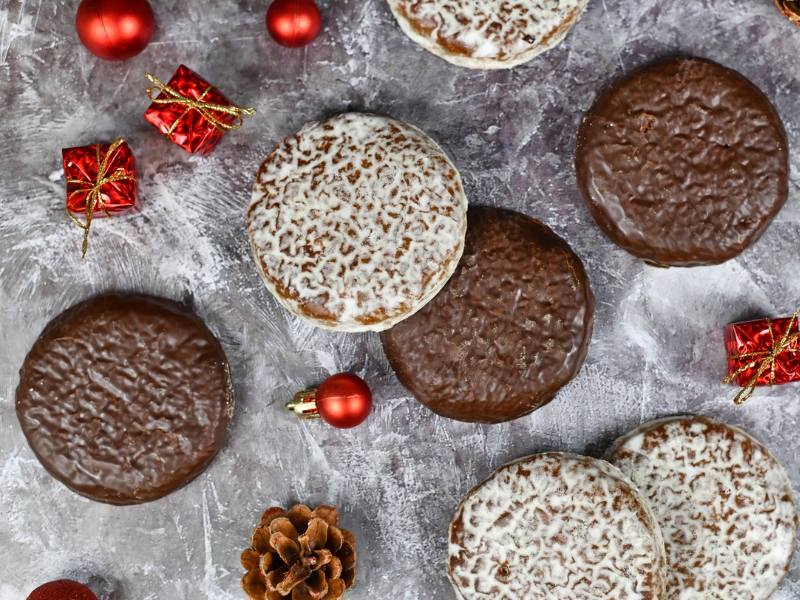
(356, 222)
(723, 502)
(556, 526)
(487, 34)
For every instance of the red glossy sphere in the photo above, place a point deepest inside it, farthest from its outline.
(344, 400)
(115, 29)
(63, 589)
(293, 23)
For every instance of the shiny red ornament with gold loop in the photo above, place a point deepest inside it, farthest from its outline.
(343, 400)
(64, 589)
(115, 29)
(293, 23)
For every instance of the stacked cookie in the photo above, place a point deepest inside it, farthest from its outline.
(511, 327)
(684, 507)
(357, 222)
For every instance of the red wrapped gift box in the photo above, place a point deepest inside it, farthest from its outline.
(101, 182)
(192, 112)
(763, 352)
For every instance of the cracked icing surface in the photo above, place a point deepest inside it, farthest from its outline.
(556, 526)
(487, 34)
(357, 222)
(683, 162)
(510, 328)
(125, 398)
(723, 502)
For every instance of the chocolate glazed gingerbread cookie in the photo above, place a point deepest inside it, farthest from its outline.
(683, 163)
(510, 328)
(125, 399)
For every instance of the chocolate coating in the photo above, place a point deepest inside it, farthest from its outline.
(507, 331)
(683, 163)
(125, 399)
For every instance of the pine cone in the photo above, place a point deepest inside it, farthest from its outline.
(790, 8)
(299, 553)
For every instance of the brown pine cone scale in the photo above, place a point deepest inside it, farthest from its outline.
(299, 553)
(790, 8)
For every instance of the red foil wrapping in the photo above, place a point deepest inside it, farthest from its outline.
(185, 112)
(755, 348)
(81, 166)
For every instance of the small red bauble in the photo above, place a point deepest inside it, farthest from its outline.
(293, 23)
(343, 400)
(115, 29)
(63, 589)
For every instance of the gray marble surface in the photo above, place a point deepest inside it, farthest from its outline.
(657, 347)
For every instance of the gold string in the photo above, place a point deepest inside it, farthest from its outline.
(94, 197)
(173, 96)
(766, 358)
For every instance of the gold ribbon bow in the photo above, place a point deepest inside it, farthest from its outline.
(173, 96)
(766, 358)
(94, 197)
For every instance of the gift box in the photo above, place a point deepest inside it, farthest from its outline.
(762, 352)
(191, 112)
(101, 182)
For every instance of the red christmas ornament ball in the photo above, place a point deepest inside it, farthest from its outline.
(293, 23)
(115, 29)
(344, 400)
(64, 589)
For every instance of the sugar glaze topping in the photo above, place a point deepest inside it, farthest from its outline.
(487, 33)
(357, 222)
(723, 502)
(556, 526)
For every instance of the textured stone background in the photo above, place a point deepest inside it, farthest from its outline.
(397, 479)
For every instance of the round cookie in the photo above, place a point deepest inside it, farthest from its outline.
(357, 222)
(723, 502)
(556, 526)
(125, 399)
(683, 163)
(487, 34)
(510, 328)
